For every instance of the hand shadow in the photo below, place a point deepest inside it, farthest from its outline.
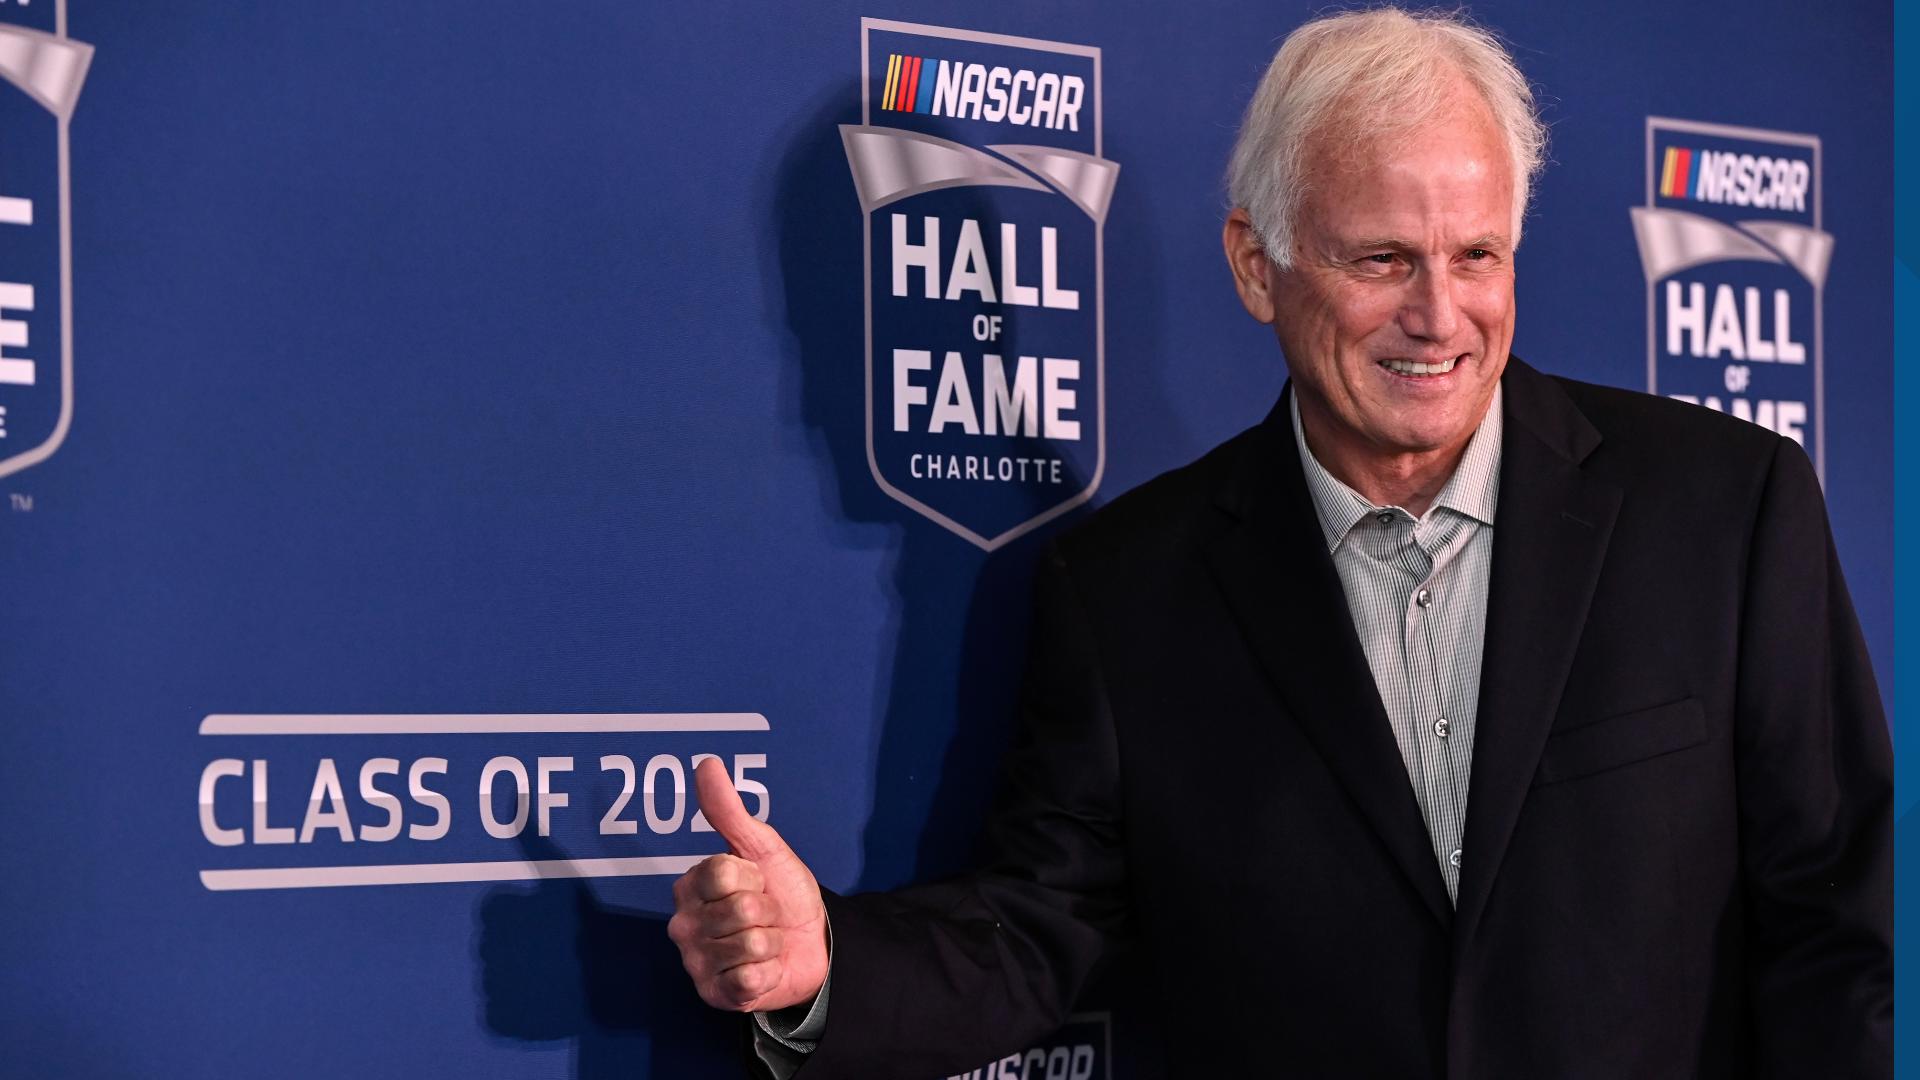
(558, 967)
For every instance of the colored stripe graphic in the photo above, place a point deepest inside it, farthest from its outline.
(906, 77)
(893, 74)
(925, 104)
(1681, 169)
(1666, 173)
(912, 94)
(1699, 183)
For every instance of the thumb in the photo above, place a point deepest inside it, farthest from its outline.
(748, 836)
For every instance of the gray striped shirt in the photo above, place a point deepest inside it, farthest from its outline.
(1417, 591)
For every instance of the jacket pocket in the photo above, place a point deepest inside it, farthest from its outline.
(1622, 740)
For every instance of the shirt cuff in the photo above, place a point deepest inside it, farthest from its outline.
(794, 1028)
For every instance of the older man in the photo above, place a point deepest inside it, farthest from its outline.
(1456, 721)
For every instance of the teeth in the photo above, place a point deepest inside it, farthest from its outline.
(1408, 367)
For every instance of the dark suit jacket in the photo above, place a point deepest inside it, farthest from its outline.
(1678, 856)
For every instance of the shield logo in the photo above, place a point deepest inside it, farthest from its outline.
(42, 70)
(984, 194)
(1736, 265)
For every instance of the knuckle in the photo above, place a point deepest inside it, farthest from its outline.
(760, 978)
(734, 907)
(726, 988)
(714, 996)
(691, 960)
(743, 983)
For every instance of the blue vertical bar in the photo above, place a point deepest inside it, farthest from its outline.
(928, 68)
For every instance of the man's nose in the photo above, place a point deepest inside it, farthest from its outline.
(1430, 312)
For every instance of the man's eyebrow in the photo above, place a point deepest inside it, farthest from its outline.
(1488, 240)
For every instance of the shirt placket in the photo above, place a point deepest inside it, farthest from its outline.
(1443, 800)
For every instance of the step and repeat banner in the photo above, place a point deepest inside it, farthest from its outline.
(427, 430)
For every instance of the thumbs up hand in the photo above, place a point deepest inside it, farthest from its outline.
(750, 925)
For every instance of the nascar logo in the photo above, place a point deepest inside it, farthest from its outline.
(1770, 183)
(996, 94)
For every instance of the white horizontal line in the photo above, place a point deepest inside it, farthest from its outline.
(16, 372)
(15, 211)
(322, 877)
(472, 724)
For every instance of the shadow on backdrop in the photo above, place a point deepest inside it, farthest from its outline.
(559, 968)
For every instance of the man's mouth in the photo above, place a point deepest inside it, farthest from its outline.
(1414, 367)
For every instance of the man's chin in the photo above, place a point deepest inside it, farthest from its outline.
(1427, 436)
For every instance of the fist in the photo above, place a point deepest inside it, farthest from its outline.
(750, 925)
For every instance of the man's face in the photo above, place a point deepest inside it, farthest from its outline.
(1398, 311)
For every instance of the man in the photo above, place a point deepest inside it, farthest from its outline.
(1456, 721)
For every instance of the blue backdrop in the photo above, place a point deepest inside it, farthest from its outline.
(505, 361)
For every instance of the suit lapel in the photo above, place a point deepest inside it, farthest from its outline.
(1549, 540)
(1274, 569)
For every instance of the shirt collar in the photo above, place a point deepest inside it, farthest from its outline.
(1473, 490)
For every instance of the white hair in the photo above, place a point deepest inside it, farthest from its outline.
(1378, 74)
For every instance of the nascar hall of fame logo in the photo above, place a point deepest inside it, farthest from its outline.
(42, 70)
(1736, 267)
(979, 170)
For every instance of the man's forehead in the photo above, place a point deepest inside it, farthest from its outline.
(1459, 187)
(1365, 215)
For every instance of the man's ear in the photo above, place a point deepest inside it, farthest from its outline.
(1253, 272)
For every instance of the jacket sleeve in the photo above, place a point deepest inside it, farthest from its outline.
(937, 979)
(1815, 800)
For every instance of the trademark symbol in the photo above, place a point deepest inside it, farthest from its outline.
(22, 504)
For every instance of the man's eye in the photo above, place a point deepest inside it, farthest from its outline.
(1382, 258)
(1479, 253)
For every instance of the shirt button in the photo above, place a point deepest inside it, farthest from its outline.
(1453, 860)
(1423, 598)
(1384, 517)
(1440, 727)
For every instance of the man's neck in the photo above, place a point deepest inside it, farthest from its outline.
(1410, 480)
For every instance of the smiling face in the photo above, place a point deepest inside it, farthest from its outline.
(1398, 311)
